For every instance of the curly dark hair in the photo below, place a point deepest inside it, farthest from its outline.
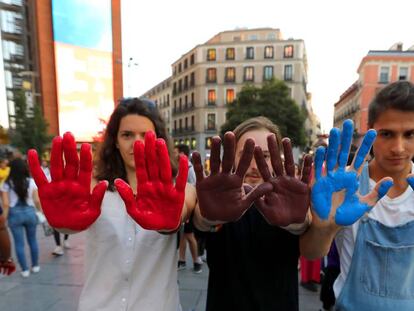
(109, 163)
(397, 95)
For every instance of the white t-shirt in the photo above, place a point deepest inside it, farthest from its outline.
(390, 212)
(127, 267)
(13, 198)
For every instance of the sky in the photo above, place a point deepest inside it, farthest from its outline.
(337, 35)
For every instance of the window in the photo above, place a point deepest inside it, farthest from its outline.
(288, 73)
(230, 74)
(211, 96)
(248, 74)
(250, 52)
(230, 54)
(288, 51)
(192, 123)
(253, 37)
(271, 36)
(268, 73)
(268, 52)
(180, 122)
(180, 86)
(192, 99)
(229, 96)
(186, 123)
(192, 79)
(179, 68)
(384, 74)
(185, 64)
(193, 143)
(185, 83)
(211, 54)
(211, 75)
(403, 73)
(192, 59)
(211, 121)
(208, 142)
(175, 125)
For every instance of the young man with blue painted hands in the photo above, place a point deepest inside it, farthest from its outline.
(369, 208)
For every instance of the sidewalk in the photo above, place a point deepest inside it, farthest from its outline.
(58, 284)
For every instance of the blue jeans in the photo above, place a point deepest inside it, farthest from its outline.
(23, 218)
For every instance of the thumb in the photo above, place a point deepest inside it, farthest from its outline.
(380, 190)
(98, 193)
(410, 180)
(258, 192)
(125, 192)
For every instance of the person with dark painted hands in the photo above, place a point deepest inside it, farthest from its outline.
(253, 209)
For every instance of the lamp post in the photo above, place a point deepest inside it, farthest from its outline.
(130, 64)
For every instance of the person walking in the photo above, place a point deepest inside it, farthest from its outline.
(19, 196)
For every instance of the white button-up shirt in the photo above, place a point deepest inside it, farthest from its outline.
(127, 267)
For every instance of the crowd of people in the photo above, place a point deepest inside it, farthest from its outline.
(256, 211)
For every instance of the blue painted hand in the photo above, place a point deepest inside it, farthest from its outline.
(335, 194)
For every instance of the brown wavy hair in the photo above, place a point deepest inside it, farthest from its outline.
(109, 164)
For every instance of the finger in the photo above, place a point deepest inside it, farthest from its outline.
(274, 151)
(306, 168)
(289, 161)
(198, 167)
(319, 159)
(258, 192)
(151, 156)
(71, 157)
(56, 159)
(380, 190)
(181, 180)
(229, 152)
(346, 139)
(364, 149)
(125, 192)
(98, 194)
(261, 163)
(332, 155)
(35, 169)
(246, 158)
(215, 155)
(85, 167)
(410, 180)
(163, 162)
(139, 158)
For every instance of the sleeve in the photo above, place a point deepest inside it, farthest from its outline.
(5, 187)
(32, 185)
(191, 179)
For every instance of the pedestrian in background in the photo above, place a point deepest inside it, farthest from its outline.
(19, 196)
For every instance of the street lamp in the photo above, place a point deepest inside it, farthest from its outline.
(130, 64)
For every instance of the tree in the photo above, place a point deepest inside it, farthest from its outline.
(273, 101)
(30, 128)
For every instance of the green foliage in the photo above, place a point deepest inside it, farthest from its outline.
(30, 128)
(273, 101)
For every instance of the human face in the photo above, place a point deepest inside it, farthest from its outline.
(253, 176)
(131, 128)
(394, 146)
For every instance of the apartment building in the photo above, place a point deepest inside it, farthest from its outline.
(18, 56)
(377, 69)
(207, 79)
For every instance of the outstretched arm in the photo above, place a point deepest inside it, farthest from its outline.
(7, 265)
(335, 198)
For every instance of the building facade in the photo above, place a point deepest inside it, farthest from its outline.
(18, 41)
(34, 56)
(377, 69)
(207, 79)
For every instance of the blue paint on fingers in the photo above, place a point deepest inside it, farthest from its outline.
(384, 187)
(366, 145)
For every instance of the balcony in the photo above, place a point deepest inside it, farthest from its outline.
(210, 129)
(210, 104)
(186, 108)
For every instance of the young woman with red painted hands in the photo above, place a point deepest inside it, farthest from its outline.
(130, 261)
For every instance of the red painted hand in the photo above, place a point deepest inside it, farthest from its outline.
(289, 201)
(66, 201)
(158, 204)
(7, 267)
(221, 196)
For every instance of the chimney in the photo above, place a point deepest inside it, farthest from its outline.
(396, 46)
